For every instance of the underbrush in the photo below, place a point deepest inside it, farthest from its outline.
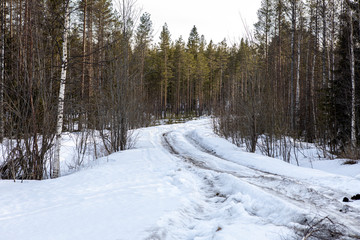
(79, 149)
(322, 229)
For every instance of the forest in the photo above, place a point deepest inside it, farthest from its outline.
(89, 67)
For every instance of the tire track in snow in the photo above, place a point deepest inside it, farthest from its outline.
(319, 200)
(197, 217)
(218, 200)
(331, 196)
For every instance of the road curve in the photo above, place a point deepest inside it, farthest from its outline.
(321, 203)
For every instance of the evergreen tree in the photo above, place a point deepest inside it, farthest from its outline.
(142, 41)
(166, 72)
(341, 89)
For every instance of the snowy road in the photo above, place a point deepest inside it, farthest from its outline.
(182, 182)
(296, 203)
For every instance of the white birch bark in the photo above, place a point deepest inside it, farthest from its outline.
(352, 68)
(60, 111)
(312, 81)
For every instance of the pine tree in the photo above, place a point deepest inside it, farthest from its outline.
(165, 42)
(179, 90)
(143, 39)
(263, 30)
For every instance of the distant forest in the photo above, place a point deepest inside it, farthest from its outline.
(82, 66)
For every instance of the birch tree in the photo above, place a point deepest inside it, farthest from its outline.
(60, 110)
(353, 86)
(297, 92)
(314, 21)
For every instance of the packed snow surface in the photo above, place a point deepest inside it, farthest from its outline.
(182, 181)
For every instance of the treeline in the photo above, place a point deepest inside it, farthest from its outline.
(303, 81)
(295, 78)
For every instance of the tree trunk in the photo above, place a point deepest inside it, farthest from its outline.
(353, 93)
(293, 27)
(10, 19)
(165, 81)
(324, 44)
(2, 71)
(331, 47)
(60, 111)
(90, 52)
(81, 116)
(297, 93)
(178, 80)
(279, 29)
(83, 52)
(312, 82)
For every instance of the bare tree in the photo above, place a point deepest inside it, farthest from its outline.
(84, 50)
(293, 29)
(314, 18)
(324, 45)
(2, 70)
(353, 86)
(83, 69)
(60, 111)
(297, 92)
(120, 99)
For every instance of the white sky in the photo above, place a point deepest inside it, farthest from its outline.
(215, 20)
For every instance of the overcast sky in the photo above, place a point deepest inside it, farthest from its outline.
(215, 19)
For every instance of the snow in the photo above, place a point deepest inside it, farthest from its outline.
(322, 171)
(104, 202)
(180, 181)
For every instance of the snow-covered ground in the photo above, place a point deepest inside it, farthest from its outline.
(182, 181)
